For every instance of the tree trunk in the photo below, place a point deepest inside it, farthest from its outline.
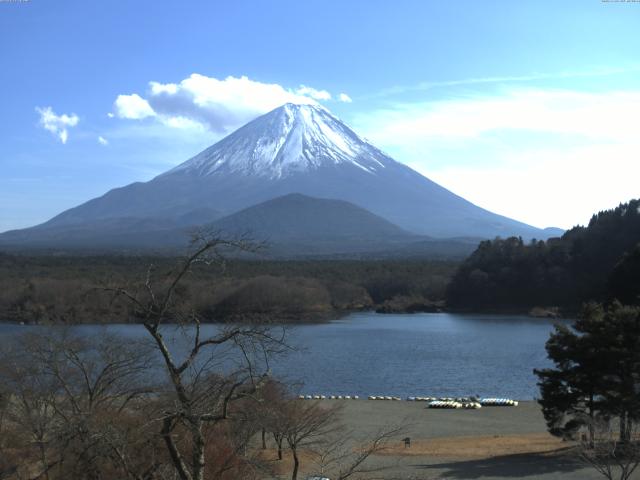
(264, 439)
(278, 440)
(174, 453)
(43, 458)
(198, 451)
(296, 464)
(591, 426)
(624, 434)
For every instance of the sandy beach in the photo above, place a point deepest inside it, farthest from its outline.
(490, 443)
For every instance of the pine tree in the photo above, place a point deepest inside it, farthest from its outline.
(596, 374)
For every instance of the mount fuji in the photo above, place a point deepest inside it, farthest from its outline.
(294, 149)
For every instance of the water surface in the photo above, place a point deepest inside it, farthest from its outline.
(418, 354)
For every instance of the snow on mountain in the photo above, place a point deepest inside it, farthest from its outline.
(294, 149)
(292, 138)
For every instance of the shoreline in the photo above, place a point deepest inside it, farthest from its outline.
(311, 319)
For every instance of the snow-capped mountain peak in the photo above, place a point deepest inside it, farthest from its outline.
(294, 149)
(292, 138)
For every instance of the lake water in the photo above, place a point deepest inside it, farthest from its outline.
(403, 355)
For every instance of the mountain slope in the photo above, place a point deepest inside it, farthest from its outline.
(292, 149)
(297, 217)
(292, 221)
(298, 224)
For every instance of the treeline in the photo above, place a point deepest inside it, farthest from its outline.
(598, 262)
(45, 289)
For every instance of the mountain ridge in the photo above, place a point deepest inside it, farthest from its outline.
(291, 226)
(292, 149)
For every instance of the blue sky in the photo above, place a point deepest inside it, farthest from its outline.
(527, 108)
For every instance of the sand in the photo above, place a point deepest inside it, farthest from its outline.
(489, 443)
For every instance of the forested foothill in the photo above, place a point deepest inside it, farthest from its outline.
(599, 262)
(70, 289)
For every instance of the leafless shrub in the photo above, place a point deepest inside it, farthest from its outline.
(612, 457)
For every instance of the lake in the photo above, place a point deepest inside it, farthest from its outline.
(438, 354)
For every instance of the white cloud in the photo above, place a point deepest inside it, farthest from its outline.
(57, 124)
(610, 116)
(550, 187)
(133, 107)
(103, 141)
(201, 102)
(546, 157)
(182, 123)
(159, 88)
(313, 93)
(506, 79)
(343, 97)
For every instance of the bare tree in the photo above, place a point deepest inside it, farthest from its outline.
(72, 404)
(307, 424)
(8, 464)
(219, 369)
(29, 406)
(95, 380)
(271, 412)
(347, 456)
(608, 454)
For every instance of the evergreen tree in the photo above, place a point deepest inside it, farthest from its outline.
(596, 374)
(565, 272)
(624, 281)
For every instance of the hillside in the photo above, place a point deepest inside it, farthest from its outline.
(302, 223)
(595, 262)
